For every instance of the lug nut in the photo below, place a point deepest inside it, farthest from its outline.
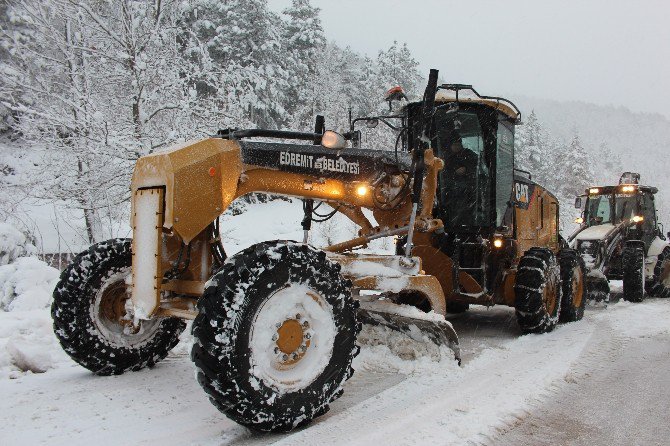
(305, 324)
(284, 357)
(276, 350)
(303, 348)
(297, 316)
(275, 337)
(308, 336)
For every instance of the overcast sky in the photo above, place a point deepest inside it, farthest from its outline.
(606, 52)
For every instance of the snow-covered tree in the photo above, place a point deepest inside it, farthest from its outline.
(104, 84)
(304, 42)
(243, 38)
(608, 165)
(534, 151)
(397, 66)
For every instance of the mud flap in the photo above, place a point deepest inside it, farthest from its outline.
(411, 322)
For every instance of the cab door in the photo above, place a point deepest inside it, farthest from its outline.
(648, 211)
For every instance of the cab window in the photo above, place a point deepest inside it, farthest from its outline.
(465, 180)
(598, 210)
(504, 170)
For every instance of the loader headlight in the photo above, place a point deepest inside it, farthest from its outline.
(333, 140)
(594, 190)
(637, 218)
(579, 220)
(628, 189)
(497, 242)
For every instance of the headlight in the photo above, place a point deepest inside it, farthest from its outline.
(362, 190)
(594, 190)
(637, 218)
(628, 188)
(333, 140)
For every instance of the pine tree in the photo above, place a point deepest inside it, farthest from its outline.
(304, 42)
(575, 168)
(243, 39)
(396, 66)
(609, 165)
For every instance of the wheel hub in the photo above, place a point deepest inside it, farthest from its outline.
(292, 340)
(113, 306)
(550, 294)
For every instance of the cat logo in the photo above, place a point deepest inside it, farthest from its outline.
(523, 194)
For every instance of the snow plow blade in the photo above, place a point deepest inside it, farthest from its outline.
(411, 322)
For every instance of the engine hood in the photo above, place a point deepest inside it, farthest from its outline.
(599, 232)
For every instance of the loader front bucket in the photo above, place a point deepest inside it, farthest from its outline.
(411, 322)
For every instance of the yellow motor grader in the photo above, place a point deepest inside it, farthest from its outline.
(275, 325)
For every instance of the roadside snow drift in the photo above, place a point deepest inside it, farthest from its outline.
(27, 342)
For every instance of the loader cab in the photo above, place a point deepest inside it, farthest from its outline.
(631, 205)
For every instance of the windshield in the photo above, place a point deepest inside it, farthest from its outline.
(465, 179)
(599, 209)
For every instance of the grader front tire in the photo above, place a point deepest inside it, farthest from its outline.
(275, 336)
(90, 320)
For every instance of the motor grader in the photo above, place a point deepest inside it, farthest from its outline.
(275, 326)
(620, 238)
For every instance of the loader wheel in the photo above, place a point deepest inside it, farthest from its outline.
(275, 336)
(573, 285)
(90, 314)
(659, 286)
(538, 291)
(632, 260)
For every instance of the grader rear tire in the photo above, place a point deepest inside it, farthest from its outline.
(538, 291)
(633, 272)
(275, 336)
(573, 285)
(90, 320)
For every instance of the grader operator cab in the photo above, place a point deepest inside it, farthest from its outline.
(275, 325)
(620, 238)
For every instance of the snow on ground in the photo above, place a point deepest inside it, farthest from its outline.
(49, 399)
(388, 401)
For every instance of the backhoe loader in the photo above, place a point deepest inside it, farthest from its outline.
(620, 238)
(275, 326)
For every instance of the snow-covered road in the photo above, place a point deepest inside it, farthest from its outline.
(388, 401)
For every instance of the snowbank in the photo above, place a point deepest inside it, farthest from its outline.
(27, 342)
(26, 284)
(13, 244)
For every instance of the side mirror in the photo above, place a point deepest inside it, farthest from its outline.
(578, 202)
